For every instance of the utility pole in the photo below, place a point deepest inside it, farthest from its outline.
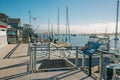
(30, 18)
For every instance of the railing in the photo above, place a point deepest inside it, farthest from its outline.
(48, 49)
(102, 66)
(52, 48)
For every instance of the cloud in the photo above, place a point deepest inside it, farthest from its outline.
(89, 28)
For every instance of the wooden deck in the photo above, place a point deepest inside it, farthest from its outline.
(17, 67)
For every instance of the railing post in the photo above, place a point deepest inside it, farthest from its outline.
(34, 59)
(76, 59)
(30, 66)
(31, 59)
(101, 66)
(83, 61)
(28, 47)
(90, 64)
(105, 72)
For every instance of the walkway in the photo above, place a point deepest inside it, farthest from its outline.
(17, 66)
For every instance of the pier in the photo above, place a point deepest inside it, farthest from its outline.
(16, 67)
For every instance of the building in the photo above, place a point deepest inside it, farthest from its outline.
(14, 22)
(15, 31)
(3, 34)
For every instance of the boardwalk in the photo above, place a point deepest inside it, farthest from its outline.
(16, 67)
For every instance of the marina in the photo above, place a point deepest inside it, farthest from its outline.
(64, 48)
(20, 65)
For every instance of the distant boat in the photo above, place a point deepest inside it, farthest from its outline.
(93, 36)
(84, 35)
(74, 35)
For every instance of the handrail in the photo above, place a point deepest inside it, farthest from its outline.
(34, 49)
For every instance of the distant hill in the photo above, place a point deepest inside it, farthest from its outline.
(2, 15)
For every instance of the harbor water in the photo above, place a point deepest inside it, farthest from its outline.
(80, 40)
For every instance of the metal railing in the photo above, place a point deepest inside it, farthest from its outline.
(53, 48)
(35, 49)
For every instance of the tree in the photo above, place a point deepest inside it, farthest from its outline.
(2, 15)
(27, 32)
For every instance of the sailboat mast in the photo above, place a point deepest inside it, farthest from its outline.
(58, 29)
(66, 26)
(48, 29)
(52, 32)
(106, 31)
(116, 37)
(67, 23)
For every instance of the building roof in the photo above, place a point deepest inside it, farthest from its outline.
(4, 20)
(14, 20)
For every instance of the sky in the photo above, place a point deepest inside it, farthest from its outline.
(85, 16)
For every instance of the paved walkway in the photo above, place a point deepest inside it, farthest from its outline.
(5, 50)
(17, 66)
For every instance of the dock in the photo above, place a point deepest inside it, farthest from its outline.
(16, 67)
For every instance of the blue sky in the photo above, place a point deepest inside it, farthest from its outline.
(81, 12)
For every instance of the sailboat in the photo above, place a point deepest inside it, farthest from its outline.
(67, 34)
(67, 27)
